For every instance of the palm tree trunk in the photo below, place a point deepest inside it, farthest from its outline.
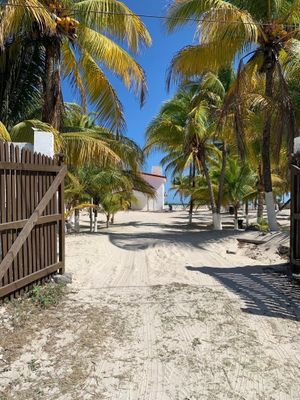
(52, 96)
(95, 220)
(260, 206)
(192, 182)
(107, 220)
(247, 212)
(76, 222)
(221, 187)
(266, 162)
(91, 218)
(236, 223)
(239, 132)
(260, 195)
(210, 192)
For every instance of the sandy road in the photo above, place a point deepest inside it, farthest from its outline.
(158, 312)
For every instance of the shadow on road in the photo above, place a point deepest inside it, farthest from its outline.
(186, 238)
(265, 290)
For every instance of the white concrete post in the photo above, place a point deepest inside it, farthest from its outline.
(43, 143)
(297, 145)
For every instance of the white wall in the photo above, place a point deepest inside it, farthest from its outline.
(145, 203)
(43, 143)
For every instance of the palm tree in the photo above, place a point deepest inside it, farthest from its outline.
(81, 140)
(228, 28)
(74, 39)
(21, 70)
(76, 197)
(79, 148)
(111, 189)
(239, 184)
(185, 129)
(75, 120)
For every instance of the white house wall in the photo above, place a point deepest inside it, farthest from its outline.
(144, 203)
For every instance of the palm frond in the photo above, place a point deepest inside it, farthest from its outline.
(115, 18)
(110, 54)
(80, 149)
(193, 61)
(101, 93)
(71, 71)
(19, 16)
(180, 11)
(4, 135)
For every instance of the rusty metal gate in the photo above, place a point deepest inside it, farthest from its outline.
(32, 234)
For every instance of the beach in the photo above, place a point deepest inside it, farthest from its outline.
(160, 311)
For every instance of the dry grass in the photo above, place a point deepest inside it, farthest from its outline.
(47, 341)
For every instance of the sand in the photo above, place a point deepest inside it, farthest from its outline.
(157, 311)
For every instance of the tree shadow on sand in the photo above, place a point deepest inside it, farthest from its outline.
(187, 238)
(265, 290)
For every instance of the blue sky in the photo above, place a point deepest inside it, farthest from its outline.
(155, 61)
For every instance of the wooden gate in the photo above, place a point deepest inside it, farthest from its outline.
(32, 232)
(295, 215)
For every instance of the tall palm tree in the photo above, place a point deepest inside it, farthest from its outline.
(184, 131)
(75, 39)
(186, 128)
(268, 30)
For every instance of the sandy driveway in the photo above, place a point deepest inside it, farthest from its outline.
(157, 312)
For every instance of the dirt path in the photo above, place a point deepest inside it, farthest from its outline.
(157, 312)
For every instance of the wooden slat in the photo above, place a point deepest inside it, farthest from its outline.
(2, 199)
(62, 226)
(20, 224)
(40, 229)
(56, 224)
(4, 291)
(33, 167)
(33, 204)
(44, 227)
(8, 259)
(52, 225)
(3, 209)
(29, 211)
(15, 272)
(48, 226)
(8, 278)
(19, 211)
(24, 272)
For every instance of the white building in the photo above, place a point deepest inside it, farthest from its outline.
(144, 202)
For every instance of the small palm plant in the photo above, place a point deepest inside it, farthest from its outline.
(76, 197)
(106, 190)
